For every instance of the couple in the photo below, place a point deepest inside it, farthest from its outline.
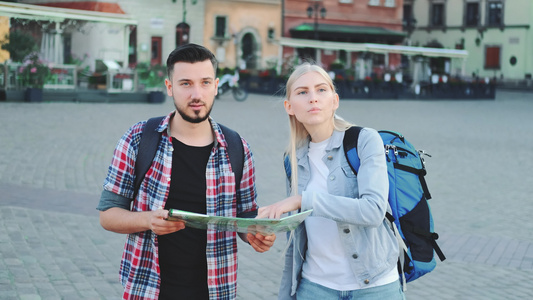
(344, 248)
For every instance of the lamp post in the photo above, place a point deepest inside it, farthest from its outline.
(409, 25)
(315, 9)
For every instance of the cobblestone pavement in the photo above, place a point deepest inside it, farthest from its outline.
(54, 157)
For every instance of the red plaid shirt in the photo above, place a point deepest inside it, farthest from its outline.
(139, 268)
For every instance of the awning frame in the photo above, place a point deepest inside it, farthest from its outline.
(375, 48)
(37, 12)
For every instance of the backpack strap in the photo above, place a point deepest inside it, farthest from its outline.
(351, 137)
(146, 152)
(236, 159)
(287, 165)
(235, 152)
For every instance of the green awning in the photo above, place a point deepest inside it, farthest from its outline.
(347, 33)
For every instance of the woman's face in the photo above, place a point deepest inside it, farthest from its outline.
(312, 100)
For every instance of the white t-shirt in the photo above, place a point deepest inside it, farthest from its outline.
(326, 263)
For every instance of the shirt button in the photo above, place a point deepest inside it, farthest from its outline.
(367, 281)
(332, 178)
(346, 230)
(355, 256)
(330, 157)
(168, 178)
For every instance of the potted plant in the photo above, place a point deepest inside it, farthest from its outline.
(33, 74)
(152, 78)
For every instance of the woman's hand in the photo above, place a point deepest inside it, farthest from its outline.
(261, 243)
(277, 209)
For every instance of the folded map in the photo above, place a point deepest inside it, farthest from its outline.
(242, 225)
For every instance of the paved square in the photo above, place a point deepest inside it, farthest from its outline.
(54, 157)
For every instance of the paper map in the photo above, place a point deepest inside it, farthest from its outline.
(243, 225)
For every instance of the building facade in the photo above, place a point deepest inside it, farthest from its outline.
(496, 33)
(156, 29)
(243, 33)
(345, 21)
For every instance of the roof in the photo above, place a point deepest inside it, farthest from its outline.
(375, 48)
(87, 5)
(348, 33)
(39, 12)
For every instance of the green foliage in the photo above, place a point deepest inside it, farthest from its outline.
(336, 66)
(151, 76)
(19, 44)
(224, 71)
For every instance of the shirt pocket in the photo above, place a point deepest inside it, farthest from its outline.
(349, 184)
(348, 172)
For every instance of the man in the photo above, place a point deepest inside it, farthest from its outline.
(191, 171)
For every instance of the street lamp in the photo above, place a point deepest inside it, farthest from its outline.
(409, 25)
(313, 9)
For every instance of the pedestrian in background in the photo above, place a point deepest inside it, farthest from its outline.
(345, 249)
(191, 171)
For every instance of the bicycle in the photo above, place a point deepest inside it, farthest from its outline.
(231, 82)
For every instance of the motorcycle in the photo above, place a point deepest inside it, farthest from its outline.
(231, 82)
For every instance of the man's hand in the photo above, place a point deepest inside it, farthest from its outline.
(160, 226)
(120, 220)
(261, 243)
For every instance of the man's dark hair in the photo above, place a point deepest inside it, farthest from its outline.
(190, 53)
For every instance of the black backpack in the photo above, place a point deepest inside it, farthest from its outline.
(150, 141)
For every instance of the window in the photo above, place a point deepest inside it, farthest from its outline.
(472, 14)
(220, 29)
(437, 14)
(407, 14)
(495, 13)
(271, 33)
(390, 3)
(343, 56)
(345, 1)
(373, 2)
(492, 57)
(182, 34)
(157, 45)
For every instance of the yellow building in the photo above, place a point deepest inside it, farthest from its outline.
(243, 33)
(4, 29)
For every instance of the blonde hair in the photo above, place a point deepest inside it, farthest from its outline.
(298, 134)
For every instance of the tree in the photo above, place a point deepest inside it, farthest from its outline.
(19, 44)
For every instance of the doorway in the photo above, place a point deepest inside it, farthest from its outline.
(157, 45)
(249, 47)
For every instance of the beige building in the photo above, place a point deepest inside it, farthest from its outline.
(243, 33)
(496, 33)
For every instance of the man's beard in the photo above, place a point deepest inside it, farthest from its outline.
(197, 118)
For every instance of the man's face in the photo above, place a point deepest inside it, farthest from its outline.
(193, 87)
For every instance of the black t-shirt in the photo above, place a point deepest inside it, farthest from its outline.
(182, 257)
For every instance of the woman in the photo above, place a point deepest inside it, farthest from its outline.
(344, 249)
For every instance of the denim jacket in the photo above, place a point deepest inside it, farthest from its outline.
(357, 203)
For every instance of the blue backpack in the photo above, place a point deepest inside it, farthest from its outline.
(408, 196)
